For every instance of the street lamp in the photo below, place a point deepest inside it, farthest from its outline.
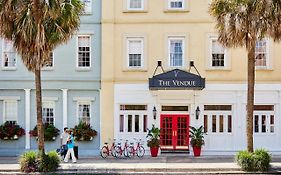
(154, 113)
(197, 113)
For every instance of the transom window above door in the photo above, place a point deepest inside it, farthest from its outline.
(176, 51)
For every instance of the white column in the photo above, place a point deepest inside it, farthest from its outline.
(64, 107)
(27, 118)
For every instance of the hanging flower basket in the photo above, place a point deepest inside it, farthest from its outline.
(84, 132)
(10, 131)
(50, 132)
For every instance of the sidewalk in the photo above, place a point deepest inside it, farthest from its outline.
(147, 165)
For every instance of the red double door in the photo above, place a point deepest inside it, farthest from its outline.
(174, 132)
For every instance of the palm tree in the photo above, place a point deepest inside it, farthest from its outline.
(36, 27)
(241, 23)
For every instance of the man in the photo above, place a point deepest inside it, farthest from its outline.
(63, 140)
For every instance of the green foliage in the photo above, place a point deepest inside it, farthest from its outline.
(28, 162)
(154, 137)
(84, 132)
(262, 160)
(196, 136)
(50, 132)
(259, 160)
(10, 131)
(33, 162)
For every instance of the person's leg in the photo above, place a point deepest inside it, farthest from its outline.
(72, 155)
(67, 156)
(64, 150)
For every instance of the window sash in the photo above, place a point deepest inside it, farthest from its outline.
(135, 52)
(8, 55)
(217, 54)
(87, 6)
(218, 122)
(261, 53)
(135, 4)
(84, 51)
(132, 122)
(176, 52)
(48, 112)
(84, 112)
(176, 4)
(264, 122)
(10, 111)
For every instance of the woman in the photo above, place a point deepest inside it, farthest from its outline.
(70, 146)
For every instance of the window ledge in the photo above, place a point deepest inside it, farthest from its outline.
(135, 11)
(176, 11)
(9, 68)
(86, 69)
(263, 69)
(47, 69)
(218, 69)
(134, 70)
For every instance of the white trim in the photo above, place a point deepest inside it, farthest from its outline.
(50, 68)
(84, 99)
(8, 68)
(52, 102)
(10, 98)
(141, 39)
(50, 98)
(77, 52)
(173, 8)
(90, 5)
(77, 109)
(27, 118)
(4, 110)
(182, 38)
(64, 107)
(268, 56)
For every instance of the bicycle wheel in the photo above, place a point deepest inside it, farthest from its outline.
(140, 151)
(113, 151)
(127, 152)
(104, 152)
(118, 152)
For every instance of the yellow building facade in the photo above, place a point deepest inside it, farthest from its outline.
(136, 34)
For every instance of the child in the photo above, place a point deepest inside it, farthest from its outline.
(70, 146)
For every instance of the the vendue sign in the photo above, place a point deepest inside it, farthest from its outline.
(176, 79)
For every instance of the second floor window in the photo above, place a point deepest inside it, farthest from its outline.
(135, 4)
(217, 54)
(261, 53)
(87, 6)
(135, 52)
(10, 111)
(9, 55)
(84, 52)
(176, 4)
(176, 52)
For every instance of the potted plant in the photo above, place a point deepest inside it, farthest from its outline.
(153, 140)
(9, 131)
(50, 132)
(84, 132)
(196, 139)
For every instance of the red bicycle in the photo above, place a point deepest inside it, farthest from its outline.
(138, 150)
(106, 151)
(123, 151)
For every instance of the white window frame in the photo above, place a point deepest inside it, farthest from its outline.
(48, 68)
(210, 56)
(83, 103)
(267, 120)
(141, 39)
(133, 113)
(170, 38)
(4, 109)
(173, 8)
(135, 9)
(90, 51)
(52, 103)
(8, 51)
(267, 66)
(88, 7)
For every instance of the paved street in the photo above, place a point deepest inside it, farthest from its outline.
(168, 164)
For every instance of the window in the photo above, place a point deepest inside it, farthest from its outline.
(176, 52)
(134, 118)
(84, 112)
(218, 118)
(50, 64)
(176, 4)
(262, 53)
(84, 52)
(264, 119)
(87, 6)
(48, 112)
(135, 52)
(217, 53)
(10, 111)
(135, 4)
(9, 55)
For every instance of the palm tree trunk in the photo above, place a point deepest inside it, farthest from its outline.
(40, 126)
(250, 98)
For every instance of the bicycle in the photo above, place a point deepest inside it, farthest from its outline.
(138, 150)
(106, 151)
(125, 150)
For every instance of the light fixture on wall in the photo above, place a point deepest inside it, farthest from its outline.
(197, 113)
(154, 113)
